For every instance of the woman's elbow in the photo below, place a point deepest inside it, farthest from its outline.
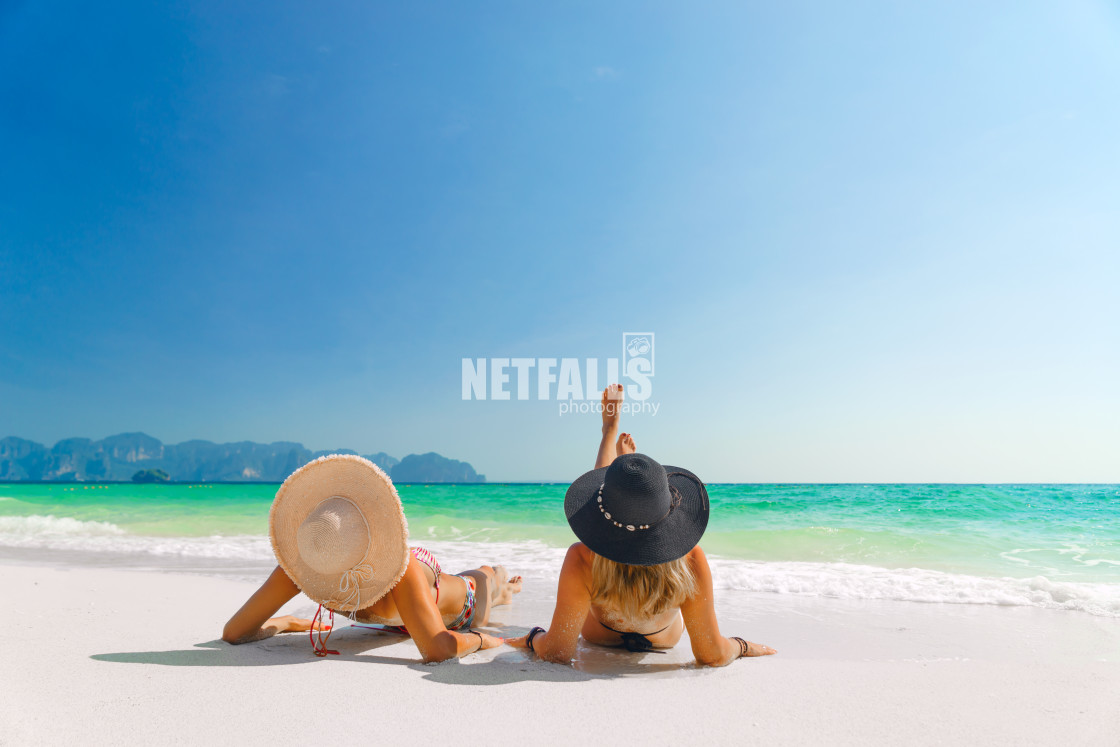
(559, 659)
(442, 647)
(555, 656)
(710, 658)
(230, 634)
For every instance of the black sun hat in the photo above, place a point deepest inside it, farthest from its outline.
(637, 512)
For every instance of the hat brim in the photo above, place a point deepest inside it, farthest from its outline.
(671, 538)
(364, 484)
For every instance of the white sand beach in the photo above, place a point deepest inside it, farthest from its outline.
(112, 656)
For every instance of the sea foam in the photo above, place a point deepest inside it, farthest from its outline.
(849, 581)
(22, 530)
(541, 561)
(64, 533)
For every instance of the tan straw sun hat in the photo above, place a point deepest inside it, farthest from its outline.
(338, 530)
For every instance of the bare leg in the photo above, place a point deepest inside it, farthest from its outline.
(612, 398)
(492, 586)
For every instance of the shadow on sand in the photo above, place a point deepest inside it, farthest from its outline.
(510, 666)
(350, 642)
(504, 667)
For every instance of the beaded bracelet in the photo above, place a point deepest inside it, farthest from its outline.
(481, 641)
(744, 647)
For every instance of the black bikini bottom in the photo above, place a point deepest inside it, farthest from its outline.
(638, 642)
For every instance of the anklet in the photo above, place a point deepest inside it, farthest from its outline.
(533, 634)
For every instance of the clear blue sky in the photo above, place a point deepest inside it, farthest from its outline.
(875, 241)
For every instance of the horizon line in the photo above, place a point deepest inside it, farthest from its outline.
(545, 482)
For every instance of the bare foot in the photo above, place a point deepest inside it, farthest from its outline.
(612, 398)
(625, 444)
(505, 586)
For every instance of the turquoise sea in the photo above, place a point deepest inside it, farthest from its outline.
(1052, 546)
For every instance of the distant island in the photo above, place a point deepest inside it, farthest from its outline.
(139, 457)
(151, 475)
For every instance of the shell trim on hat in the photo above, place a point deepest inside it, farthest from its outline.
(656, 537)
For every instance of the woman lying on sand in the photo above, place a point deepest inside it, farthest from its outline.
(339, 533)
(638, 578)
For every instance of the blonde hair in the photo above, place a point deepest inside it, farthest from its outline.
(640, 591)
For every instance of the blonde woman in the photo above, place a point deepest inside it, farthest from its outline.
(637, 578)
(339, 533)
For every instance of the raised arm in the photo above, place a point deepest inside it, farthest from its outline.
(255, 620)
(708, 646)
(573, 602)
(418, 611)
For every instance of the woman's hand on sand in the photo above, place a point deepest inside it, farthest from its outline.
(757, 649)
(274, 625)
(292, 624)
(490, 641)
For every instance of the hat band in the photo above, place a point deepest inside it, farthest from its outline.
(349, 588)
(637, 527)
